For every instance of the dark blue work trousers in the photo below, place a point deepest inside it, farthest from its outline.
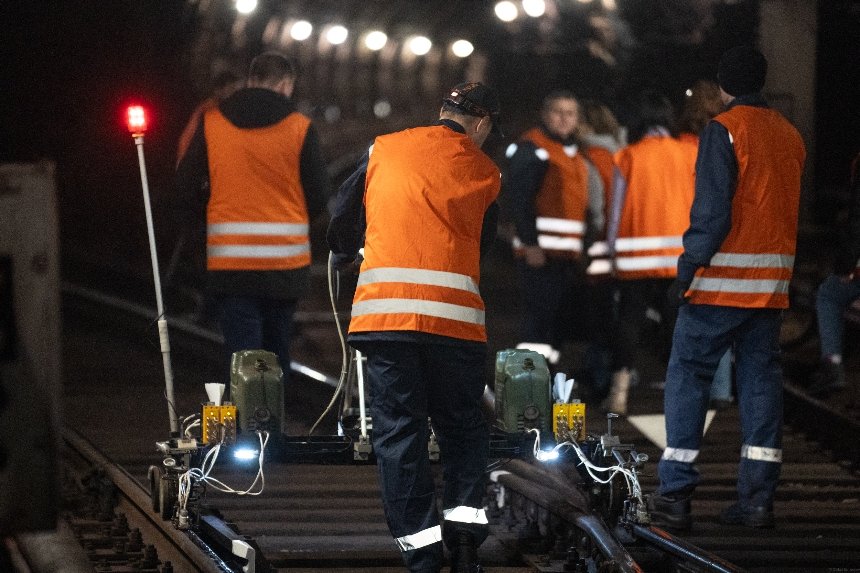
(703, 333)
(257, 323)
(409, 382)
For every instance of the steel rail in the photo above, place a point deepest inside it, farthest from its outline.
(136, 503)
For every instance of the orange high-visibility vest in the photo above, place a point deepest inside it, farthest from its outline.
(426, 193)
(753, 266)
(656, 211)
(256, 217)
(562, 200)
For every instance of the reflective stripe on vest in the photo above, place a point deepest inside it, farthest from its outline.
(465, 514)
(680, 455)
(627, 244)
(251, 232)
(641, 262)
(600, 263)
(426, 307)
(421, 539)
(418, 276)
(747, 286)
(267, 229)
(761, 454)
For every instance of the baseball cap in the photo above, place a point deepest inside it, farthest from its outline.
(475, 98)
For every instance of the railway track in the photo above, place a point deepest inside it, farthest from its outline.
(326, 518)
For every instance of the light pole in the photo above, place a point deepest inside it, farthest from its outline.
(137, 126)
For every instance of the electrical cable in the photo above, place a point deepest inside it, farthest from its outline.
(633, 487)
(344, 365)
(202, 474)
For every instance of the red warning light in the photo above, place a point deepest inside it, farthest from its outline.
(136, 120)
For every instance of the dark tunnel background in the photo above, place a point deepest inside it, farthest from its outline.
(70, 68)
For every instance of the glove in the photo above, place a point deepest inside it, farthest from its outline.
(675, 295)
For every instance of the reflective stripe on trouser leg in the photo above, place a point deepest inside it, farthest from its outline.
(759, 381)
(701, 338)
(420, 539)
(464, 514)
(399, 411)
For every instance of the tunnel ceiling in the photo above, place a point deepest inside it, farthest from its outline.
(599, 49)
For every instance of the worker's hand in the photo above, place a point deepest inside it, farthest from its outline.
(675, 294)
(347, 264)
(534, 256)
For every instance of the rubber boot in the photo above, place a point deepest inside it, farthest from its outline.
(617, 400)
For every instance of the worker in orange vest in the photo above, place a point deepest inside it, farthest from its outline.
(556, 203)
(732, 285)
(651, 199)
(423, 203)
(266, 182)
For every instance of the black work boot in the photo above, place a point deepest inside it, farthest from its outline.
(464, 554)
(737, 514)
(670, 511)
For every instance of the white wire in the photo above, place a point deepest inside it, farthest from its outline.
(344, 364)
(630, 477)
(188, 429)
(202, 474)
(185, 419)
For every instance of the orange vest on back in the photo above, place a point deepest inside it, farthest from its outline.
(562, 200)
(256, 217)
(656, 211)
(426, 193)
(754, 265)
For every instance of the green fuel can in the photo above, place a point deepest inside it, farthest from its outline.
(523, 392)
(257, 390)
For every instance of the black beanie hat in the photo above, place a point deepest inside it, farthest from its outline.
(742, 71)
